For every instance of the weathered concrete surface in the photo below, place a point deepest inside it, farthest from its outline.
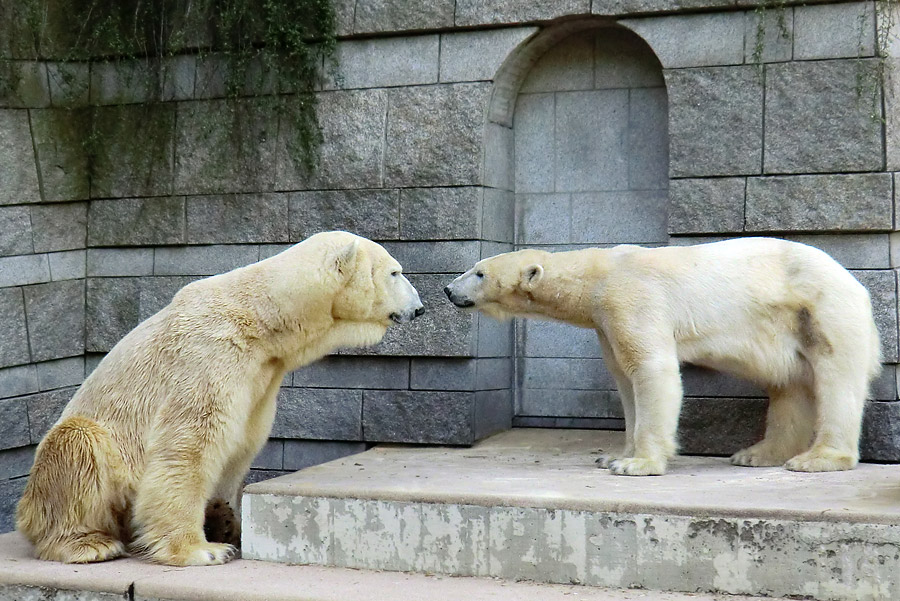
(531, 504)
(23, 578)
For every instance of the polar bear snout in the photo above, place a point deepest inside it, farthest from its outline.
(457, 299)
(407, 316)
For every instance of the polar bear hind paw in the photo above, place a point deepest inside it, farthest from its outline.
(637, 466)
(821, 461)
(604, 459)
(205, 554)
(91, 548)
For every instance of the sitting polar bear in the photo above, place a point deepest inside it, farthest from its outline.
(175, 413)
(782, 314)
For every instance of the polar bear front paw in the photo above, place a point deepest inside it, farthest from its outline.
(207, 554)
(604, 459)
(637, 466)
(821, 461)
(757, 456)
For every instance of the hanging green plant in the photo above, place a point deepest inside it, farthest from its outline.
(117, 52)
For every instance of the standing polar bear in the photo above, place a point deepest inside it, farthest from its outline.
(175, 413)
(779, 313)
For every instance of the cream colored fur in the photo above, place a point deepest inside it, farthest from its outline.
(782, 314)
(175, 413)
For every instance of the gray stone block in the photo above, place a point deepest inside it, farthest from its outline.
(15, 463)
(700, 382)
(715, 121)
(13, 423)
(55, 313)
(834, 30)
(495, 338)
(136, 222)
(203, 260)
(355, 372)
(717, 426)
(254, 476)
(121, 167)
(819, 203)
(352, 151)
(648, 140)
(59, 136)
(591, 141)
(551, 339)
(884, 386)
(319, 413)
(491, 249)
(700, 206)
(157, 292)
(881, 432)
(499, 165)
(70, 83)
(225, 146)
(818, 121)
(440, 213)
(624, 60)
(241, 219)
(693, 40)
(10, 493)
(91, 361)
(67, 265)
(270, 250)
(569, 403)
(445, 256)
(44, 409)
(544, 218)
(435, 135)
(882, 287)
(442, 374)
(385, 62)
(493, 373)
(110, 262)
(15, 231)
(60, 373)
(178, 74)
(28, 86)
(17, 164)
(534, 126)
(508, 12)
(578, 423)
(569, 65)
(619, 217)
(111, 311)
(24, 269)
(397, 15)
(19, 380)
(853, 251)
(59, 226)
(565, 373)
(300, 454)
(769, 34)
(498, 215)
(271, 456)
(14, 342)
(477, 55)
(493, 412)
(443, 331)
(419, 417)
(121, 82)
(892, 112)
(369, 213)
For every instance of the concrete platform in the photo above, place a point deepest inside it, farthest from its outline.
(23, 578)
(530, 504)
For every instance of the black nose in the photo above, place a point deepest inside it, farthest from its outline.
(419, 311)
(447, 291)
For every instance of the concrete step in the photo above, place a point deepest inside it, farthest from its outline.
(531, 505)
(23, 578)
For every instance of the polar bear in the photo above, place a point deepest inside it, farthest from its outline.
(779, 313)
(175, 413)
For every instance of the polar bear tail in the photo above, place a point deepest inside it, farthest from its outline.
(71, 509)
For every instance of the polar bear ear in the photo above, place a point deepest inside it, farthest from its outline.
(346, 258)
(531, 275)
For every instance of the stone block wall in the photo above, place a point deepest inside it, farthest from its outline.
(457, 131)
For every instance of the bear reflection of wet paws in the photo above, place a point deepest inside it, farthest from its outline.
(221, 525)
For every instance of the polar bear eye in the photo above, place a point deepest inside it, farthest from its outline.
(479, 274)
(395, 273)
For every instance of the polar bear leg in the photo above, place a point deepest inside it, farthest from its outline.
(626, 394)
(840, 402)
(789, 428)
(72, 504)
(657, 403)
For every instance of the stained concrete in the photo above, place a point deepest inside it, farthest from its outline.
(531, 504)
(23, 578)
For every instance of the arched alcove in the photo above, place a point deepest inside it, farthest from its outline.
(585, 114)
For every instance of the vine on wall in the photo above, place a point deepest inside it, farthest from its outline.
(273, 51)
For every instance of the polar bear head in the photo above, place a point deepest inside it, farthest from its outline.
(374, 288)
(502, 286)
